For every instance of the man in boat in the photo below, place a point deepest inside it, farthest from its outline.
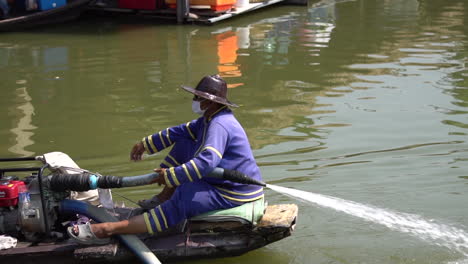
(215, 139)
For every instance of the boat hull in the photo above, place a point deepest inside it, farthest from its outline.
(195, 240)
(70, 11)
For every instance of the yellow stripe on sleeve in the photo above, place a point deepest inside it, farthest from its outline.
(196, 168)
(190, 131)
(150, 139)
(175, 161)
(215, 151)
(162, 140)
(167, 163)
(187, 172)
(241, 194)
(148, 225)
(166, 179)
(174, 176)
(156, 220)
(145, 145)
(241, 200)
(163, 216)
(167, 136)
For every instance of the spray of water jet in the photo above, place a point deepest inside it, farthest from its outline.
(440, 234)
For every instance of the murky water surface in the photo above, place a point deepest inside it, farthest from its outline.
(362, 100)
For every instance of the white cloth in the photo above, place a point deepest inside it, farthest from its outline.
(7, 242)
(60, 161)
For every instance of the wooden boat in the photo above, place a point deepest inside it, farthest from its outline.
(221, 233)
(22, 20)
(198, 239)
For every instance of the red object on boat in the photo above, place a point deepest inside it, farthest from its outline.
(9, 191)
(215, 5)
(138, 4)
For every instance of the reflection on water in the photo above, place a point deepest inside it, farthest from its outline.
(228, 45)
(23, 128)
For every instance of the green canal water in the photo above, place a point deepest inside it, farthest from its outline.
(365, 100)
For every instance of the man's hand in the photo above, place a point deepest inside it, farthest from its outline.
(137, 151)
(160, 180)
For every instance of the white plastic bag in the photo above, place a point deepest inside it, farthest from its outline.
(7, 242)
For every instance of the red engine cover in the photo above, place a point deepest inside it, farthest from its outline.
(9, 192)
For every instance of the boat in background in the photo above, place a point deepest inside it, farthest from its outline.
(48, 12)
(191, 11)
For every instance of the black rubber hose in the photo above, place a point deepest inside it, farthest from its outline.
(145, 179)
(83, 182)
(88, 181)
(234, 176)
(109, 182)
(65, 182)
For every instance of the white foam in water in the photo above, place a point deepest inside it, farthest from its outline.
(464, 261)
(440, 234)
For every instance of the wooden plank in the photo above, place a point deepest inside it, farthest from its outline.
(49, 248)
(279, 215)
(104, 251)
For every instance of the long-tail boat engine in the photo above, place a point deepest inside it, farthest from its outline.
(25, 210)
(29, 207)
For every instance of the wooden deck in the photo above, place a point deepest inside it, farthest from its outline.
(239, 11)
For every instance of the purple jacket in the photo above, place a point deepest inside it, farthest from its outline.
(219, 141)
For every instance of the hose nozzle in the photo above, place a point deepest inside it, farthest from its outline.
(234, 176)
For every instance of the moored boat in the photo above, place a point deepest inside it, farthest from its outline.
(191, 11)
(19, 18)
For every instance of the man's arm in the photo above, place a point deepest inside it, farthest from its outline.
(204, 162)
(167, 137)
(163, 139)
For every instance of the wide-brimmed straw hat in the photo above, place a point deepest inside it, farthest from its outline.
(213, 88)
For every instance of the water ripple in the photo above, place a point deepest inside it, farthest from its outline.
(316, 148)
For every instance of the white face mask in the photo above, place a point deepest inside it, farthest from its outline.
(196, 108)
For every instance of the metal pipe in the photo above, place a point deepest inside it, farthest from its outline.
(20, 169)
(100, 215)
(2, 171)
(18, 159)
(179, 11)
(182, 7)
(43, 205)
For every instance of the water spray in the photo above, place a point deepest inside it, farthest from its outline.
(450, 237)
